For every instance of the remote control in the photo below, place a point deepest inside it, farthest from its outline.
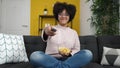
(53, 29)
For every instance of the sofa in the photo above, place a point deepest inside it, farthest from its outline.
(93, 43)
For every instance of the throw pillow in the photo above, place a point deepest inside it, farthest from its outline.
(111, 56)
(12, 49)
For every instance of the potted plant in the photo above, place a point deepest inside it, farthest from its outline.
(105, 16)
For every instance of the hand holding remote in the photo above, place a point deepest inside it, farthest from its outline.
(50, 31)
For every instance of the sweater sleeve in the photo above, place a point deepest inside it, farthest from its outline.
(76, 47)
(44, 36)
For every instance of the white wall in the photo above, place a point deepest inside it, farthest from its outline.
(15, 17)
(85, 13)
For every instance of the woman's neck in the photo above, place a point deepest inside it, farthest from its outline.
(63, 25)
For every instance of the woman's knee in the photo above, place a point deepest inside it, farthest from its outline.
(87, 53)
(36, 55)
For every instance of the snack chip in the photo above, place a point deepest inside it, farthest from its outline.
(64, 50)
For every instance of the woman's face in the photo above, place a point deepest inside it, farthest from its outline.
(63, 18)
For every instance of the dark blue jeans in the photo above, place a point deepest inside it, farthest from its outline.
(40, 59)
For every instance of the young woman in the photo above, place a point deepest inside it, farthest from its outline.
(63, 46)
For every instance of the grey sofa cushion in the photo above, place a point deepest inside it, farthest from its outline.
(34, 43)
(93, 65)
(89, 42)
(110, 66)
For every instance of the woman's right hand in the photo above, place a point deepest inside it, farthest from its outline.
(48, 31)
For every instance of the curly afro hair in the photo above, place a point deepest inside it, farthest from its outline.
(59, 7)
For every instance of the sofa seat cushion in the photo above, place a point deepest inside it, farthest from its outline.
(108, 66)
(17, 65)
(93, 65)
